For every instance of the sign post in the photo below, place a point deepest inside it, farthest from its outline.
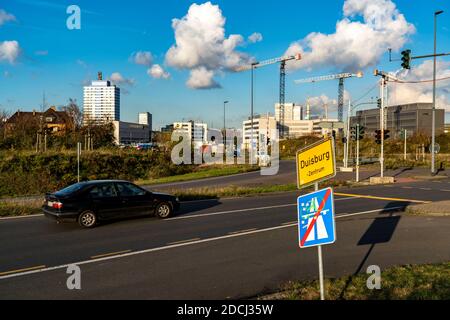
(316, 223)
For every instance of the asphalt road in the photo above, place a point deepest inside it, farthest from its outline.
(229, 248)
(286, 175)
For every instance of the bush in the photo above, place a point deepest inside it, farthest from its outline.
(27, 174)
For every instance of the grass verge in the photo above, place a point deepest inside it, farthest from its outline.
(236, 191)
(202, 173)
(15, 210)
(411, 282)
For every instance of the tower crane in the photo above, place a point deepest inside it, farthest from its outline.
(282, 61)
(341, 77)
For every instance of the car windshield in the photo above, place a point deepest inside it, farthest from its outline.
(71, 189)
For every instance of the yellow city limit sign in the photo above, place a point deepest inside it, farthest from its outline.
(316, 163)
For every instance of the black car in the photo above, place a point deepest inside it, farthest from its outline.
(90, 202)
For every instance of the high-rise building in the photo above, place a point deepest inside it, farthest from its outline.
(101, 102)
(198, 132)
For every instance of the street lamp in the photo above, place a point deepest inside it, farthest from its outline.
(433, 133)
(254, 65)
(224, 124)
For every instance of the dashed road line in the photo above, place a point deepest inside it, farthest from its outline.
(110, 254)
(183, 241)
(242, 231)
(380, 198)
(12, 272)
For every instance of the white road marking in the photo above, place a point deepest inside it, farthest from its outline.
(173, 246)
(22, 217)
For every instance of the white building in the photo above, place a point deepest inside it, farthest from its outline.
(263, 126)
(196, 130)
(101, 102)
(130, 133)
(291, 112)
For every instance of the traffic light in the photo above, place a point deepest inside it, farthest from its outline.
(378, 136)
(379, 103)
(406, 59)
(386, 134)
(334, 134)
(353, 133)
(361, 133)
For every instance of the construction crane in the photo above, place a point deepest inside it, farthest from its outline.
(341, 77)
(282, 61)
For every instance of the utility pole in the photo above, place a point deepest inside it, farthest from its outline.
(433, 134)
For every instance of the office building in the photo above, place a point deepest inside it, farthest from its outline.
(263, 126)
(101, 102)
(415, 117)
(292, 112)
(198, 132)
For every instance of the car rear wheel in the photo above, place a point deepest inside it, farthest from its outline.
(87, 219)
(163, 210)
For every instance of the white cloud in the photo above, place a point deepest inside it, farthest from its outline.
(6, 17)
(157, 72)
(355, 44)
(144, 58)
(9, 51)
(202, 48)
(118, 79)
(202, 78)
(318, 103)
(404, 93)
(255, 37)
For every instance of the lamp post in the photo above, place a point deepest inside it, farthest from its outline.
(224, 124)
(433, 130)
(254, 64)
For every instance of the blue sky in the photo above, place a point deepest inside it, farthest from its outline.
(58, 61)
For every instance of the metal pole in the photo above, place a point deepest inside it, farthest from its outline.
(382, 127)
(319, 253)
(347, 142)
(251, 138)
(78, 160)
(357, 152)
(406, 133)
(433, 133)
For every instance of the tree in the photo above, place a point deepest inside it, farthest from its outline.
(75, 113)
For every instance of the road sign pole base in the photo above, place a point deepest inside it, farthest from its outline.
(322, 291)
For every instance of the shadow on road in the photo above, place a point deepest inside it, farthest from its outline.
(380, 231)
(194, 206)
(403, 171)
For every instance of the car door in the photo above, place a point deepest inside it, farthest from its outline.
(105, 201)
(134, 200)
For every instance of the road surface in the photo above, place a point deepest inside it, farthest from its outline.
(218, 249)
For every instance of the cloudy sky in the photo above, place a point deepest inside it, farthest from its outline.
(177, 58)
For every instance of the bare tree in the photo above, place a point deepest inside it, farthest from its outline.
(75, 113)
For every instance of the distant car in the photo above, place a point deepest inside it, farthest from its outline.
(94, 201)
(144, 146)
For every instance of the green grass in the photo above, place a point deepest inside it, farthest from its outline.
(236, 191)
(205, 172)
(14, 210)
(411, 282)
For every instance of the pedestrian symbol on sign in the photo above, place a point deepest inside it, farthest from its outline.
(316, 218)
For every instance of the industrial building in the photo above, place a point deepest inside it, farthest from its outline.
(128, 133)
(416, 118)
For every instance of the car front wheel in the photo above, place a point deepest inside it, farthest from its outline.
(163, 210)
(87, 219)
